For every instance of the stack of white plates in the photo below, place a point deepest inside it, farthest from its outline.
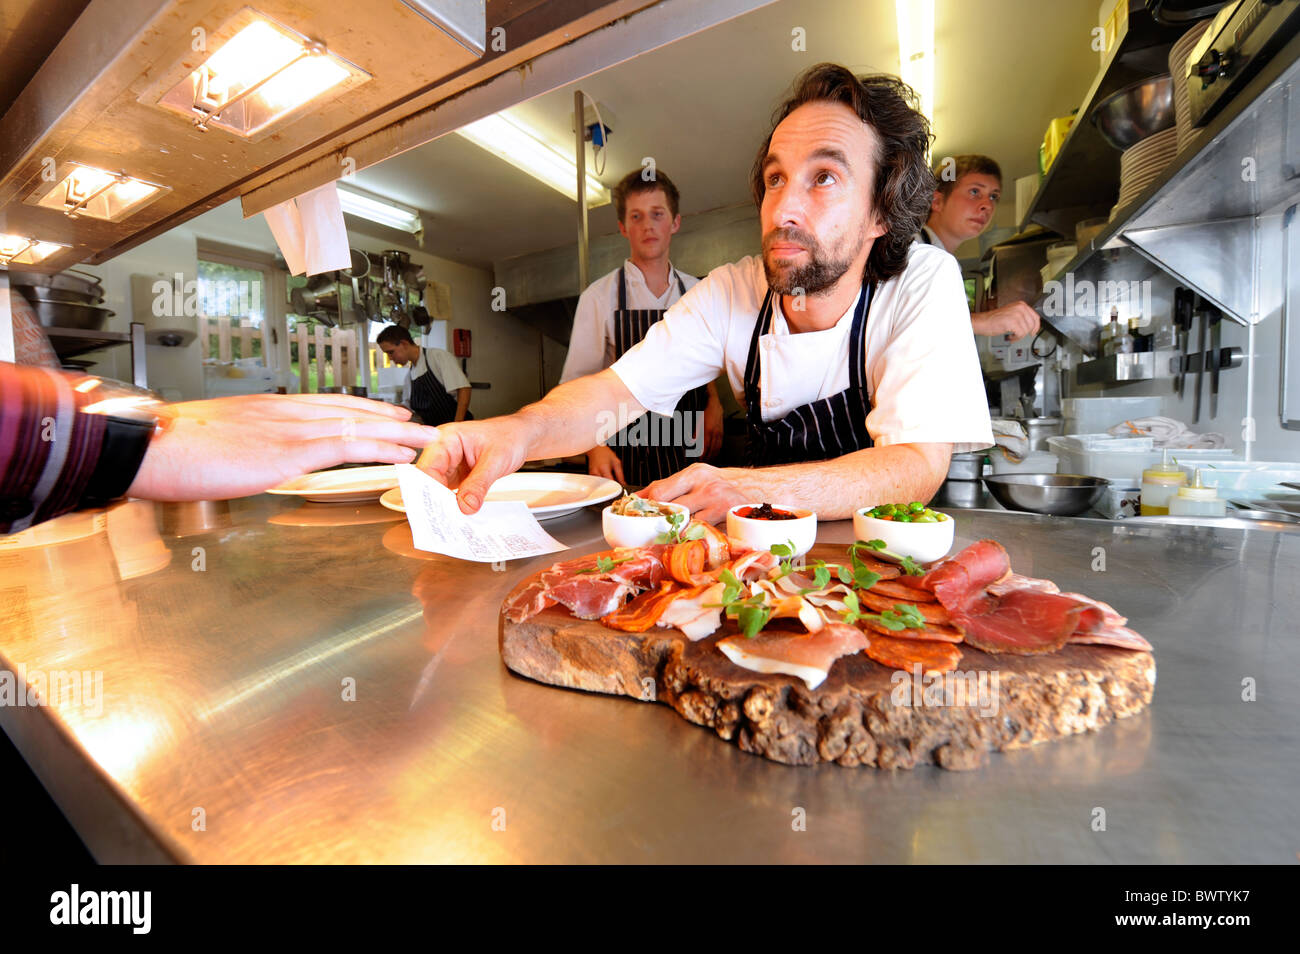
(1178, 69)
(1140, 165)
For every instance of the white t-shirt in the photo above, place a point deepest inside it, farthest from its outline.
(922, 371)
(444, 366)
(591, 345)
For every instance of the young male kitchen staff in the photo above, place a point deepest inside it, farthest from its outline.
(847, 340)
(435, 389)
(616, 311)
(966, 193)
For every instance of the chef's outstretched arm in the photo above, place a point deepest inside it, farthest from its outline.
(834, 488)
(570, 420)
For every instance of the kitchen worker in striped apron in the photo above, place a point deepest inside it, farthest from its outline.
(436, 390)
(615, 312)
(847, 341)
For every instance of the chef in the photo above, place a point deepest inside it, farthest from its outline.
(436, 389)
(966, 193)
(616, 311)
(847, 341)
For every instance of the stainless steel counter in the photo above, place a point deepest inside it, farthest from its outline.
(277, 688)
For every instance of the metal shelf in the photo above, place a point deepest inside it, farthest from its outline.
(1202, 221)
(1083, 180)
(70, 342)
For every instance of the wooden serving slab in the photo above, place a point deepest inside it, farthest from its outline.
(863, 714)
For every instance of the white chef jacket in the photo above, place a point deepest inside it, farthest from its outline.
(928, 237)
(444, 366)
(591, 345)
(922, 370)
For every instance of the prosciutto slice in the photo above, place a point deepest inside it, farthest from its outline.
(806, 656)
(689, 611)
(1119, 636)
(1017, 582)
(590, 599)
(587, 591)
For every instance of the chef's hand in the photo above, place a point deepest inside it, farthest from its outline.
(236, 446)
(708, 491)
(603, 462)
(712, 427)
(473, 455)
(1016, 319)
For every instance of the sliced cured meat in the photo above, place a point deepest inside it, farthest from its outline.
(932, 631)
(1022, 621)
(716, 542)
(906, 653)
(805, 656)
(787, 606)
(932, 612)
(528, 602)
(886, 571)
(641, 613)
(754, 565)
(901, 591)
(1118, 636)
(590, 598)
(966, 575)
(686, 561)
(1108, 615)
(1015, 581)
(696, 611)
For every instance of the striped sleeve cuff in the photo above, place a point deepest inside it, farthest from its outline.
(48, 451)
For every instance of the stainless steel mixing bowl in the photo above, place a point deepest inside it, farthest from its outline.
(1063, 495)
(1138, 110)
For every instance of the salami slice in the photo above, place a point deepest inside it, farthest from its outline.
(933, 612)
(906, 653)
(901, 591)
(939, 634)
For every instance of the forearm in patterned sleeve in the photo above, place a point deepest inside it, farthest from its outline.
(48, 451)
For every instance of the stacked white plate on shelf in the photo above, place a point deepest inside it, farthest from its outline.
(1140, 165)
(1178, 70)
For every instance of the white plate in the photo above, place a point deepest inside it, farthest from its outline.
(548, 495)
(349, 485)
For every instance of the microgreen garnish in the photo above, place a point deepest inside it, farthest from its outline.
(604, 564)
(674, 534)
(786, 552)
(910, 566)
(902, 616)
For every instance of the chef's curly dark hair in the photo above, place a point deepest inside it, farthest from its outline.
(902, 186)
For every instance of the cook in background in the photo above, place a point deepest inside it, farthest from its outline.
(841, 410)
(616, 311)
(962, 208)
(436, 389)
(66, 441)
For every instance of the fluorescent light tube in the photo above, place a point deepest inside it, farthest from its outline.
(380, 210)
(525, 150)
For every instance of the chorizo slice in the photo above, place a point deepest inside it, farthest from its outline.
(906, 653)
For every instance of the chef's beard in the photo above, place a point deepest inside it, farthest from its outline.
(818, 274)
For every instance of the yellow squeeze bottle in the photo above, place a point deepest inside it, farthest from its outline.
(1159, 483)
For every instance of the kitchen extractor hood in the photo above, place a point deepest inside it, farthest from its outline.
(137, 121)
(147, 110)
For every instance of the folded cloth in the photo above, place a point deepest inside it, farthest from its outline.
(1167, 432)
(1011, 435)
